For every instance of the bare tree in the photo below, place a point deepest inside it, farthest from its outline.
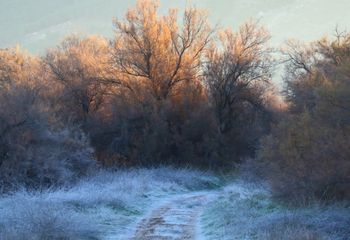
(16, 67)
(157, 53)
(300, 58)
(236, 71)
(80, 67)
(309, 66)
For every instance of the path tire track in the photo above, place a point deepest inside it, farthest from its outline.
(174, 220)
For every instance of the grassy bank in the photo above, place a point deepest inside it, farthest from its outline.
(246, 211)
(104, 206)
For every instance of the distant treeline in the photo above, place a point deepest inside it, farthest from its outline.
(176, 91)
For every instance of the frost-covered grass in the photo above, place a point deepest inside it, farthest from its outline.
(103, 206)
(246, 211)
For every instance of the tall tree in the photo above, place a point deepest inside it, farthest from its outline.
(158, 52)
(80, 68)
(236, 72)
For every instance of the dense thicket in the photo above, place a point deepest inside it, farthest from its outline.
(175, 91)
(164, 90)
(32, 150)
(307, 155)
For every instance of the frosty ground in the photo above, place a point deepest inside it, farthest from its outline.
(106, 206)
(164, 203)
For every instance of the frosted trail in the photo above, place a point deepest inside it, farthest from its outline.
(176, 219)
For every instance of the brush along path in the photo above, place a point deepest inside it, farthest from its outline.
(176, 219)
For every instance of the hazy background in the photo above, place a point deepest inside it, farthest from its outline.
(38, 24)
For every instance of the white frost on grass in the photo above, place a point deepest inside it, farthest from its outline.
(103, 206)
(247, 212)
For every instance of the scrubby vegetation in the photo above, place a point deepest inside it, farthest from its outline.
(171, 90)
(163, 91)
(32, 151)
(307, 155)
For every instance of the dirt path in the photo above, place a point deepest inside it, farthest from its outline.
(176, 219)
